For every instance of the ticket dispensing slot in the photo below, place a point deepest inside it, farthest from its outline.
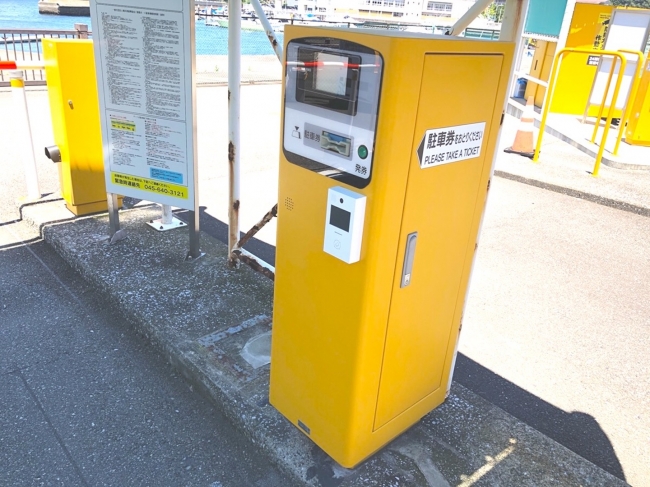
(335, 143)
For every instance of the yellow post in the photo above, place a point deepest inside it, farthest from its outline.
(603, 102)
(547, 102)
(630, 99)
(610, 112)
(551, 86)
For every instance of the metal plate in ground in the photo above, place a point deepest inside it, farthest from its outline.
(223, 348)
(163, 227)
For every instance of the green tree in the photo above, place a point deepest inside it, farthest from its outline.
(631, 3)
(495, 11)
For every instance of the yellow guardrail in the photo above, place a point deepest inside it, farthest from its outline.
(551, 87)
(634, 87)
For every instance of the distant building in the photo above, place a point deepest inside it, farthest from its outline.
(425, 11)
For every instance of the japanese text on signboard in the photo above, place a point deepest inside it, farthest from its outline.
(451, 144)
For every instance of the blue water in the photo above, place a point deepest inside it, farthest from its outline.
(23, 14)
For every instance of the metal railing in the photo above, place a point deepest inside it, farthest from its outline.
(631, 95)
(608, 122)
(512, 31)
(26, 45)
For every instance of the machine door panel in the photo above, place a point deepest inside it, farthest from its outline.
(457, 91)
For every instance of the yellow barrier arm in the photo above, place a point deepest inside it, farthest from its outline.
(551, 88)
(630, 99)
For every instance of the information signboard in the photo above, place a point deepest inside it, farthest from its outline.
(145, 60)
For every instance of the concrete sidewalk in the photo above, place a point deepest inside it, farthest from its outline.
(200, 315)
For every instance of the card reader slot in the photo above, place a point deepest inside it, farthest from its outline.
(335, 143)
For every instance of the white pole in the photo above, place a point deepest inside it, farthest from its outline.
(24, 131)
(270, 33)
(473, 12)
(234, 90)
(512, 29)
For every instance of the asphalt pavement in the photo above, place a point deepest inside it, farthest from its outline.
(85, 400)
(557, 323)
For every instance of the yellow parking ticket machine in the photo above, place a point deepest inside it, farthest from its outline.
(386, 152)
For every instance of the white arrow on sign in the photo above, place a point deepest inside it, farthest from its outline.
(451, 144)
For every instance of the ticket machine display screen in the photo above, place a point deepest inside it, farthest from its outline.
(331, 80)
(331, 106)
(333, 74)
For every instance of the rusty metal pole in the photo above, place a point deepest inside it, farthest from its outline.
(270, 33)
(234, 107)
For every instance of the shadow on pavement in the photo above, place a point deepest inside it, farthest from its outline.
(579, 432)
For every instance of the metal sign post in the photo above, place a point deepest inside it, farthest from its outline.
(234, 106)
(145, 62)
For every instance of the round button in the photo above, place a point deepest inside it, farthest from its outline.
(337, 244)
(362, 151)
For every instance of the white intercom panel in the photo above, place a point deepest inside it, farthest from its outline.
(344, 224)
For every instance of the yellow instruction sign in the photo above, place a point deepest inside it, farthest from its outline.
(120, 125)
(144, 184)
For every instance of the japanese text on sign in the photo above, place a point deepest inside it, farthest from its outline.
(144, 55)
(451, 144)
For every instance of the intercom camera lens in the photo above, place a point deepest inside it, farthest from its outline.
(341, 200)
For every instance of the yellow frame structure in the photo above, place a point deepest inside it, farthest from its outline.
(608, 122)
(630, 99)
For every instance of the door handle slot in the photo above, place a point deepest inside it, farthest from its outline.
(409, 255)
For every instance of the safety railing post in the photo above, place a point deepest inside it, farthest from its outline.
(24, 133)
(627, 109)
(610, 113)
(551, 87)
(547, 102)
(604, 102)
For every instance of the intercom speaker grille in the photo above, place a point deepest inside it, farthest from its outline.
(288, 203)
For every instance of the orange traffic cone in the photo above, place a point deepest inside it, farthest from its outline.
(524, 143)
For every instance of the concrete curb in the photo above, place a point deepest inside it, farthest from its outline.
(466, 441)
(517, 111)
(601, 200)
